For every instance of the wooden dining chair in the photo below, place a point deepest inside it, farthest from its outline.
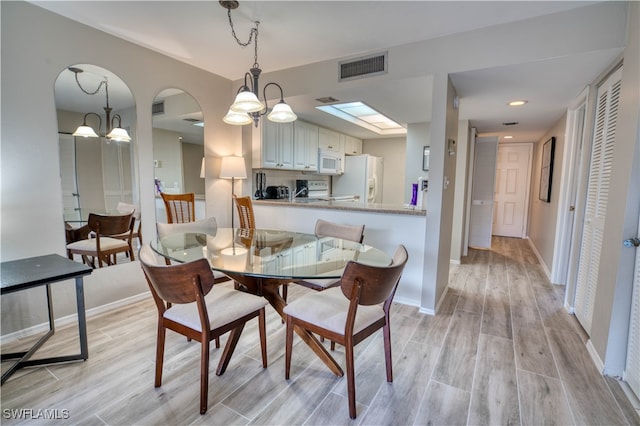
(137, 228)
(180, 208)
(190, 304)
(244, 206)
(103, 242)
(350, 313)
(325, 228)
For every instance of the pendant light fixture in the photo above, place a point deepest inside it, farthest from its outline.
(112, 132)
(247, 107)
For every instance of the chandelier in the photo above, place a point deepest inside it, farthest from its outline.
(247, 107)
(112, 133)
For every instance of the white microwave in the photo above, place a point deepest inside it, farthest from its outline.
(330, 162)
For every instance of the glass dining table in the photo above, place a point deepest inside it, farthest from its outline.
(261, 260)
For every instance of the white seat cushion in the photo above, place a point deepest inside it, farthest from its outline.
(328, 309)
(224, 305)
(106, 243)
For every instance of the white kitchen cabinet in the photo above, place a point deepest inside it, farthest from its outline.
(277, 145)
(329, 139)
(352, 146)
(305, 149)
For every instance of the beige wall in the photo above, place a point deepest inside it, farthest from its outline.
(543, 215)
(167, 157)
(36, 46)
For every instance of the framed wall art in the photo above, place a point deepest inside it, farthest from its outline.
(546, 171)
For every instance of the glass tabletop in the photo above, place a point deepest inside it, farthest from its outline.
(269, 253)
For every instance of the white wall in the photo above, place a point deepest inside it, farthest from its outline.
(36, 46)
(463, 159)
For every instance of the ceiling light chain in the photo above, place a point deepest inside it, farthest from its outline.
(247, 107)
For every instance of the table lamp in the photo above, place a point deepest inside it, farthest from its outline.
(233, 168)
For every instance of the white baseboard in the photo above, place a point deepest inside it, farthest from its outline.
(72, 319)
(454, 262)
(537, 253)
(595, 357)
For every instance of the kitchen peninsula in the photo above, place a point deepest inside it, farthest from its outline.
(386, 226)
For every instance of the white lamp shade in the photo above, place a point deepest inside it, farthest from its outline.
(233, 167)
(237, 118)
(247, 101)
(85, 132)
(119, 135)
(282, 113)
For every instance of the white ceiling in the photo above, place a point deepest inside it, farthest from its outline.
(295, 33)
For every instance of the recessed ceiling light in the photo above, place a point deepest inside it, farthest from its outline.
(517, 103)
(507, 137)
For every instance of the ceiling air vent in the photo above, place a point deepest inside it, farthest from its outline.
(361, 67)
(157, 108)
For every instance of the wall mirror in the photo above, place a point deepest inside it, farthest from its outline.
(178, 146)
(96, 127)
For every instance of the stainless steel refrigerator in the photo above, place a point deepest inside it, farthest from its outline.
(362, 177)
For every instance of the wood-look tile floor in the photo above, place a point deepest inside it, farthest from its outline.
(502, 350)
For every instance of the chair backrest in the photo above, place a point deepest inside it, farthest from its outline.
(180, 207)
(377, 283)
(245, 212)
(336, 230)
(105, 225)
(203, 226)
(176, 283)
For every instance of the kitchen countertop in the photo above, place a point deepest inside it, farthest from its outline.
(351, 205)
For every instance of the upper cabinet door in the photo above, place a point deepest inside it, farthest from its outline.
(305, 146)
(328, 139)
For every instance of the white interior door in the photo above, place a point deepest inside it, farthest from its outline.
(512, 189)
(484, 173)
(632, 368)
(597, 197)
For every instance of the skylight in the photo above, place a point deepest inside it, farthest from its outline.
(364, 116)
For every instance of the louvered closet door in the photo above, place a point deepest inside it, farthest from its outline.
(597, 195)
(632, 370)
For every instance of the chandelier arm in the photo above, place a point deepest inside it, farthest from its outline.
(264, 94)
(84, 121)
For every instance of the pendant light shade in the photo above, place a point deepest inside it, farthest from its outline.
(119, 135)
(247, 101)
(85, 132)
(237, 118)
(282, 113)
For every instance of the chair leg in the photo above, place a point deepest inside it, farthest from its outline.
(160, 354)
(232, 341)
(217, 343)
(288, 347)
(263, 337)
(351, 379)
(204, 376)
(386, 332)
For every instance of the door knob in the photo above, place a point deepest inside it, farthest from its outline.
(631, 242)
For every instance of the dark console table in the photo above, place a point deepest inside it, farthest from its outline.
(17, 275)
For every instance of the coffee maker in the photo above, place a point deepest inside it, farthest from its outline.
(261, 185)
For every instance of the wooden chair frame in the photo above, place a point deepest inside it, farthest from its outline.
(363, 285)
(106, 228)
(244, 205)
(180, 208)
(187, 283)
